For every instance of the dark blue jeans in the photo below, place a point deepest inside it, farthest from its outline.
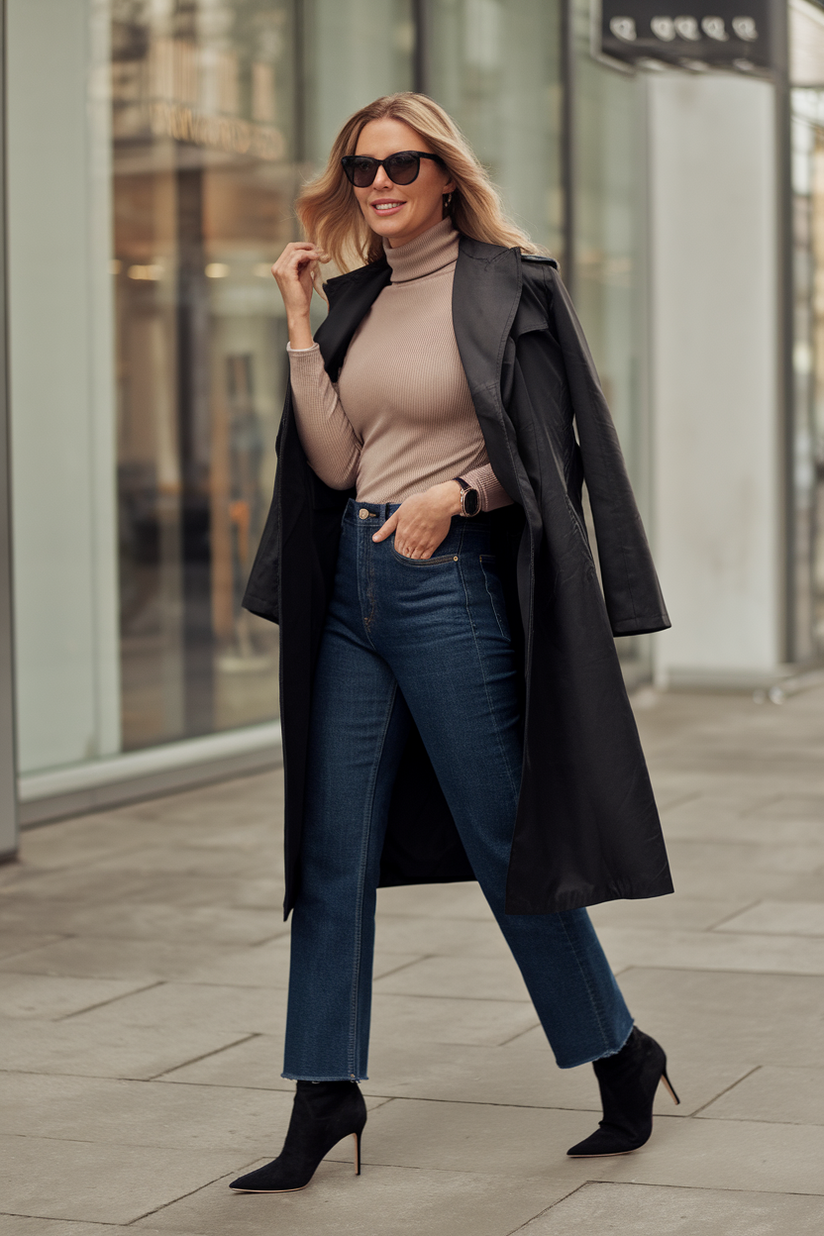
(426, 639)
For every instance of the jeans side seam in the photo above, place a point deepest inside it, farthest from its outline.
(364, 858)
(514, 784)
(594, 1002)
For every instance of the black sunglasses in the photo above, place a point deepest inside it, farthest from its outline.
(401, 168)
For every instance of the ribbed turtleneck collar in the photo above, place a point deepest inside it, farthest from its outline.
(434, 249)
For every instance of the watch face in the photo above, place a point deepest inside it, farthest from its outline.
(472, 502)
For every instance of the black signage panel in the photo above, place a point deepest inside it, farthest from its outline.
(722, 33)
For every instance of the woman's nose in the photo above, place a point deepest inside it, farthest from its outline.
(381, 181)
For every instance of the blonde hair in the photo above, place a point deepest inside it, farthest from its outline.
(331, 217)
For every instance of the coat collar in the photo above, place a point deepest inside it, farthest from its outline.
(351, 296)
(485, 296)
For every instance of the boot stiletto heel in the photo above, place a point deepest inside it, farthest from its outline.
(322, 1114)
(628, 1081)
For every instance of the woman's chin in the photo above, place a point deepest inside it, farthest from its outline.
(389, 226)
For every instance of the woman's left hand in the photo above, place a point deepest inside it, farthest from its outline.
(422, 521)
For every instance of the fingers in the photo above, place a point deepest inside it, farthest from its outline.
(298, 263)
(388, 528)
(297, 254)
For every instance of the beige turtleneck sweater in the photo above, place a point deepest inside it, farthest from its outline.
(401, 417)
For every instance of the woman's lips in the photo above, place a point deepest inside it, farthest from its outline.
(387, 208)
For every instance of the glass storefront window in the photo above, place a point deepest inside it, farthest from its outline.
(610, 247)
(807, 634)
(495, 66)
(217, 109)
(203, 101)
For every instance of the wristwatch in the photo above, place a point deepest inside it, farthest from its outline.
(470, 498)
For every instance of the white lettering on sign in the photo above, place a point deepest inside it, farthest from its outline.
(663, 28)
(685, 27)
(745, 28)
(623, 28)
(714, 27)
(688, 28)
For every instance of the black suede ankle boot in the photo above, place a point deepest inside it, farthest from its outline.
(322, 1114)
(628, 1081)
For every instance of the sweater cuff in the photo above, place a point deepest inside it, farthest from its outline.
(302, 351)
(491, 491)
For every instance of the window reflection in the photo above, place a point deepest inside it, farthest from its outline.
(495, 66)
(204, 176)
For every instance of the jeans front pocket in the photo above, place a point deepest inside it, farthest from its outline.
(423, 562)
(495, 591)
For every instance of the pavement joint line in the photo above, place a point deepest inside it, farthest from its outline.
(101, 1004)
(157, 1209)
(547, 1209)
(679, 802)
(771, 799)
(17, 1214)
(204, 1056)
(529, 1107)
(33, 948)
(519, 1035)
(269, 939)
(727, 918)
(407, 964)
(755, 1069)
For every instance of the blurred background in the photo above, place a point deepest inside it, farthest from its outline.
(673, 163)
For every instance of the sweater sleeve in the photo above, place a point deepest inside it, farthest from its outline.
(492, 493)
(326, 434)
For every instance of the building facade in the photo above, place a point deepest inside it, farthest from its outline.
(153, 149)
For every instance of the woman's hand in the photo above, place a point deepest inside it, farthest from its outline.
(296, 271)
(422, 521)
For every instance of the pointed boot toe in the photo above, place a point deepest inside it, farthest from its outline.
(628, 1082)
(275, 1177)
(323, 1114)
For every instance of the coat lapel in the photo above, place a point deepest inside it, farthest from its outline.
(362, 287)
(485, 295)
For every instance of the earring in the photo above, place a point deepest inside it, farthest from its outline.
(447, 200)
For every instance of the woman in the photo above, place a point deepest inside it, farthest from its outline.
(451, 699)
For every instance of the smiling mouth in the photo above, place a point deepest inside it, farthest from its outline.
(385, 207)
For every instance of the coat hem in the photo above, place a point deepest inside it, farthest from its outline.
(263, 609)
(646, 624)
(580, 899)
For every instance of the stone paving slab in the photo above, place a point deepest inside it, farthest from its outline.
(649, 1210)
(386, 1201)
(55, 996)
(98, 1181)
(143, 971)
(774, 1095)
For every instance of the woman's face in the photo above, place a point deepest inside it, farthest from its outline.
(400, 212)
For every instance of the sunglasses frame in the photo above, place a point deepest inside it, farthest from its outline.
(348, 165)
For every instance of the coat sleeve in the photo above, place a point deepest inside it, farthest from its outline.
(631, 589)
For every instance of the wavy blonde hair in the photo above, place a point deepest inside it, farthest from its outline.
(331, 217)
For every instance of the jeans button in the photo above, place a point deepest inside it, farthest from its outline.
(363, 513)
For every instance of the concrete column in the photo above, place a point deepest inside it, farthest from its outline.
(62, 382)
(715, 337)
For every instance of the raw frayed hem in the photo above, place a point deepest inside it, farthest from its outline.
(592, 1059)
(350, 1077)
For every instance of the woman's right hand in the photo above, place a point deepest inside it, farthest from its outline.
(294, 273)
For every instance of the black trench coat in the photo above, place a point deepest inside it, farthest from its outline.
(587, 828)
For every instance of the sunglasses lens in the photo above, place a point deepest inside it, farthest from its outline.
(360, 169)
(403, 168)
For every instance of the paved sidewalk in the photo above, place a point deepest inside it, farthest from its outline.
(143, 969)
